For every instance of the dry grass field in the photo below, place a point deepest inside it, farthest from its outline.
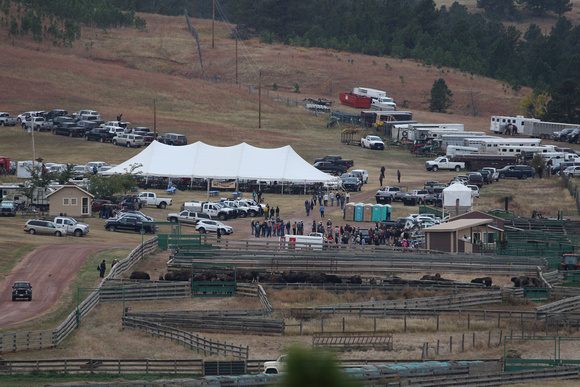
(124, 70)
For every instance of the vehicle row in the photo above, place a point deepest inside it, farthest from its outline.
(571, 135)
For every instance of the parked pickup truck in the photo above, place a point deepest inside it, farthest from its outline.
(40, 124)
(70, 129)
(276, 366)
(389, 194)
(151, 199)
(6, 120)
(372, 142)
(72, 226)
(327, 166)
(99, 134)
(444, 163)
(337, 160)
(213, 209)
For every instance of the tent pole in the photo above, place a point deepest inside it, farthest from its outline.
(238, 186)
(207, 189)
(304, 188)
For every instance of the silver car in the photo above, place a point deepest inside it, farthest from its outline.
(44, 227)
(204, 226)
(129, 140)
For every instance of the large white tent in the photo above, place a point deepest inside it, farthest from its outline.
(240, 161)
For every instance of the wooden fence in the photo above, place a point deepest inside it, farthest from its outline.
(51, 338)
(143, 290)
(354, 340)
(562, 306)
(382, 287)
(188, 339)
(214, 323)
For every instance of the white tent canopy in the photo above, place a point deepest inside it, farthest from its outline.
(241, 161)
(457, 192)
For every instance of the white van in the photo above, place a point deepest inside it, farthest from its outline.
(557, 158)
(363, 172)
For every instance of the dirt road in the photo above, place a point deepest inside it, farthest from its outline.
(49, 269)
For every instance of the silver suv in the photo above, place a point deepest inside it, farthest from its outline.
(44, 227)
(129, 140)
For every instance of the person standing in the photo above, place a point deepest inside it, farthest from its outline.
(383, 171)
(307, 207)
(322, 211)
(219, 235)
(347, 197)
(294, 226)
(277, 211)
(331, 197)
(326, 199)
(381, 177)
(102, 267)
(398, 176)
(252, 224)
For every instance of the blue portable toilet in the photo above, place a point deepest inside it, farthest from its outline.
(386, 212)
(377, 215)
(359, 212)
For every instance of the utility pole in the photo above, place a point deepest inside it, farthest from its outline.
(154, 118)
(260, 102)
(236, 56)
(212, 24)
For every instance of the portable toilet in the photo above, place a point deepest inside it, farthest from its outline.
(377, 213)
(349, 211)
(368, 212)
(358, 212)
(386, 212)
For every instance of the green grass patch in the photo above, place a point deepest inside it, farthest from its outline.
(41, 379)
(12, 254)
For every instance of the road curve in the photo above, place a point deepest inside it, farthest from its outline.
(49, 269)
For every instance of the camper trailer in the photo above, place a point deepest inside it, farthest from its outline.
(509, 125)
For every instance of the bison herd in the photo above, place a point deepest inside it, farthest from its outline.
(291, 277)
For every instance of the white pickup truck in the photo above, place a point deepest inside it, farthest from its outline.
(444, 163)
(151, 199)
(40, 124)
(72, 226)
(6, 120)
(276, 366)
(213, 209)
(383, 104)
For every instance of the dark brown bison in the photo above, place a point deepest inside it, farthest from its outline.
(140, 275)
(482, 280)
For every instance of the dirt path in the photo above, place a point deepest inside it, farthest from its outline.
(49, 269)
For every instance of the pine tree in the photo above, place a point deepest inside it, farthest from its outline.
(440, 97)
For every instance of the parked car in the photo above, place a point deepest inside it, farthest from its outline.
(418, 196)
(6, 119)
(474, 190)
(51, 115)
(562, 135)
(352, 184)
(573, 136)
(147, 134)
(98, 203)
(172, 139)
(99, 134)
(128, 223)
(389, 194)
(131, 202)
(88, 125)
(188, 217)
(494, 173)
(573, 171)
(555, 170)
(372, 142)
(208, 225)
(7, 208)
(475, 178)
(520, 171)
(70, 129)
(128, 140)
(363, 173)
(22, 289)
(486, 176)
(45, 227)
(86, 111)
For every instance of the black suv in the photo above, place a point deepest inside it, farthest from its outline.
(520, 171)
(172, 139)
(22, 289)
(562, 135)
(574, 135)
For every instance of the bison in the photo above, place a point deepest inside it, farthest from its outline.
(139, 275)
(482, 280)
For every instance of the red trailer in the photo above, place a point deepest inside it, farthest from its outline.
(355, 100)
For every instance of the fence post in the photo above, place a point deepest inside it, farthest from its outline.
(463, 342)
(437, 352)
(450, 344)
(322, 324)
(437, 323)
(405, 320)
(343, 325)
(500, 336)
(375, 325)
(300, 327)
(473, 345)
(468, 321)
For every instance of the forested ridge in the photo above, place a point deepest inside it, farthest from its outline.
(415, 29)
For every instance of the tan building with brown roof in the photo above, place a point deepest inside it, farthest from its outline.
(70, 199)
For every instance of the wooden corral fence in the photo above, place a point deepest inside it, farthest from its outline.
(347, 261)
(213, 322)
(143, 290)
(255, 290)
(561, 306)
(51, 338)
(188, 339)
(382, 287)
(354, 340)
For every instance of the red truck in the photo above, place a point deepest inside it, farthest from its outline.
(4, 165)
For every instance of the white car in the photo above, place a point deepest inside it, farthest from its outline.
(363, 172)
(204, 226)
(474, 190)
(573, 171)
(372, 142)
